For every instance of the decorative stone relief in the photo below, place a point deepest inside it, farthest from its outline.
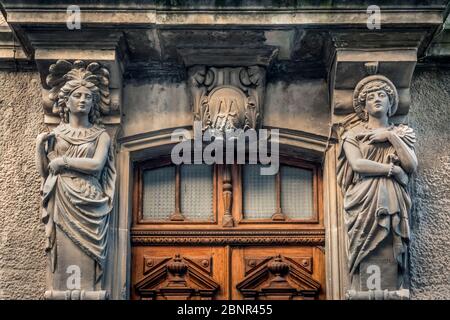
(227, 98)
(76, 162)
(375, 162)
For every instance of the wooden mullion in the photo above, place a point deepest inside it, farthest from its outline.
(278, 215)
(177, 215)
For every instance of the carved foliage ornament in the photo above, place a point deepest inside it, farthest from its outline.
(227, 98)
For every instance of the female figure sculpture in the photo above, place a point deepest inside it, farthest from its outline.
(76, 163)
(374, 165)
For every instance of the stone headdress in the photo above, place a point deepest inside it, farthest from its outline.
(66, 77)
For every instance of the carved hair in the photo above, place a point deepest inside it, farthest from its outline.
(372, 84)
(65, 77)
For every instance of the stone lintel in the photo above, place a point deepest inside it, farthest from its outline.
(229, 56)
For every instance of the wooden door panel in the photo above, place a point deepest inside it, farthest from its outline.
(278, 273)
(200, 272)
(180, 272)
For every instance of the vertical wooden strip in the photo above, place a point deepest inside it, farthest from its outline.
(177, 215)
(228, 220)
(278, 215)
(177, 190)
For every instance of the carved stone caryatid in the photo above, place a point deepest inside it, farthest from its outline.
(375, 162)
(76, 162)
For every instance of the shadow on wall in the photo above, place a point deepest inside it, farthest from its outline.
(430, 117)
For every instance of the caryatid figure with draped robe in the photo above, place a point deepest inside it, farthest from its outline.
(376, 160)
(76, 162)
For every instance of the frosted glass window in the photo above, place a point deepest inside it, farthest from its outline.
(196, 194)
(159, 193)
(259, 194)
(296, 192)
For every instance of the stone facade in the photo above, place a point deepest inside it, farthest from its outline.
(22, 259)
(297, 78)
(429, 115)
(23, 236)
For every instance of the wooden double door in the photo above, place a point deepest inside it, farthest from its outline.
(228, 272)
(229, 233)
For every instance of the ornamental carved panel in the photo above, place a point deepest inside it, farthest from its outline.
(176, 278)
(227, 98)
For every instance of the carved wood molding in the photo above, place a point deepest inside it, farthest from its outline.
(306, 237)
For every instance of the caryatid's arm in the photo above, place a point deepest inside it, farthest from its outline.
(86, 165)
(41, 153)
(405, 154)
(367, 167)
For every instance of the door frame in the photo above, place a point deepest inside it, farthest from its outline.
(158, 143)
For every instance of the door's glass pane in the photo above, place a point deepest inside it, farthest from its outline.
(259, 194)
(159, 193)
(196, 194)
(296, 192)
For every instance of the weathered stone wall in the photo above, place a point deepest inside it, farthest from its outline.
(22, 259)
(299, 105)
(430, 219)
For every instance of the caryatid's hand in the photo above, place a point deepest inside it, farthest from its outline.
(42, 138)
(376, 136)
(400, 175)
(56, 165)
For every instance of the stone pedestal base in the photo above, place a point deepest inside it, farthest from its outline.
(378, 295)
(75, 295)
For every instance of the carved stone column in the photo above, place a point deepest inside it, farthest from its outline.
(375, 159)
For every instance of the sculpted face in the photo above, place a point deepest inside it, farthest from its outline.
(80, 101)
(377, 103)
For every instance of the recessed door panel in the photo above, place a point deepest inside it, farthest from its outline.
(181, 273)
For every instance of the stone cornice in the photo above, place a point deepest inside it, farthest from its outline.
(231, 17)
(156, 33)
(243, 12)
